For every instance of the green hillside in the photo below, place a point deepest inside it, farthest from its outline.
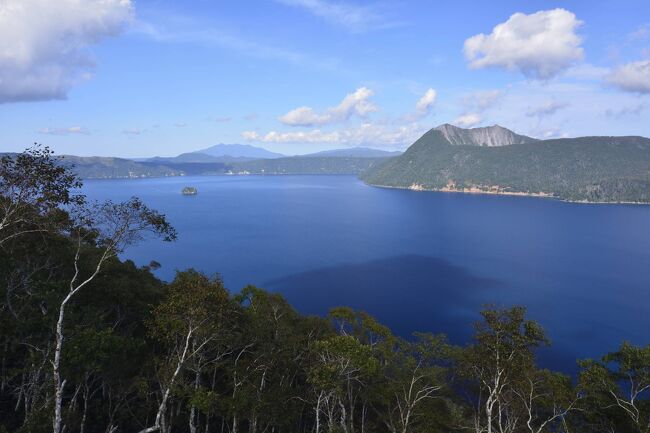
(307, 165)
(598, 169)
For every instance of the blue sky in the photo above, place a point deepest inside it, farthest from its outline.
(157, 77)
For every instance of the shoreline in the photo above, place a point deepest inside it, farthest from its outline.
(547, 196)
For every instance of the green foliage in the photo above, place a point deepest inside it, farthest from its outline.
(249, 362)
(598, 169)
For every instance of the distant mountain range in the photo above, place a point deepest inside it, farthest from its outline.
(231, 153)
(491, 160)
(495, 160)
(239, 151)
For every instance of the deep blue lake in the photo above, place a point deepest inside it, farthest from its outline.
(418, 261)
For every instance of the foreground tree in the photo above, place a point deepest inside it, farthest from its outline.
(107, 229)
(507, 391)
(620, 382)
(192, 322)
(34, 186)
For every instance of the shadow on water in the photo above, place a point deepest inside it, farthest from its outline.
(408, 293)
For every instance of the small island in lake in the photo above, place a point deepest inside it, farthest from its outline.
(189, 190)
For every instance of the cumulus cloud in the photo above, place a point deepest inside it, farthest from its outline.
(365, 134)
(468, 120)
(44, 44)
(547, 109)
(426, 102)
(354, 103)
(64, 131)
(631, 77)
(539, 45)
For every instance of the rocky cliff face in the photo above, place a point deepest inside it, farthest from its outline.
(489, 136)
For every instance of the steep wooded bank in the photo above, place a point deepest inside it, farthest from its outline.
(89, 343)
(595, 169)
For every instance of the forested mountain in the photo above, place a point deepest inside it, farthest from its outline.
(97, 167)
(356, 152)
(104, 168)
(307, 165)
(239, 151)
(93, 344)
(598, 169)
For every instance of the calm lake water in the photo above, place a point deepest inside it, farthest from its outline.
(417, 261)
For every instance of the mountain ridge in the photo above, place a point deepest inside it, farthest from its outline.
(592, 169)
(489, 136)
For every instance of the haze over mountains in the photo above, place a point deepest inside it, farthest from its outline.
(245, 152)
(492, 160)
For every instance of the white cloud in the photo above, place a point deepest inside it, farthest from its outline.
(586, 71)
(354, 103)
(65, 131)
(175, 29)
(426, 102)
(631, 77)
(371, 134)
(353, 17)
(539, 45)
(44, 44)
(468, 120)
(223, 119)
(481, 100)
(547, 109)
(133, 131)
(474, 105)
(180, 124)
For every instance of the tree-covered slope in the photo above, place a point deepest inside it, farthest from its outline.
(95, 167)
(609, 169)
(111, 168)
(306, 165)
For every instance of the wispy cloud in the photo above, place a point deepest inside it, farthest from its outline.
(353, 17)
(468, 120)
(633, 110)
(193, 32)
(220, 119)
(547, 109)
(642, 33)
(631, 77)
(65, 131)
(133, 131)
(423, 106)
(180, 124)
(369, 134)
